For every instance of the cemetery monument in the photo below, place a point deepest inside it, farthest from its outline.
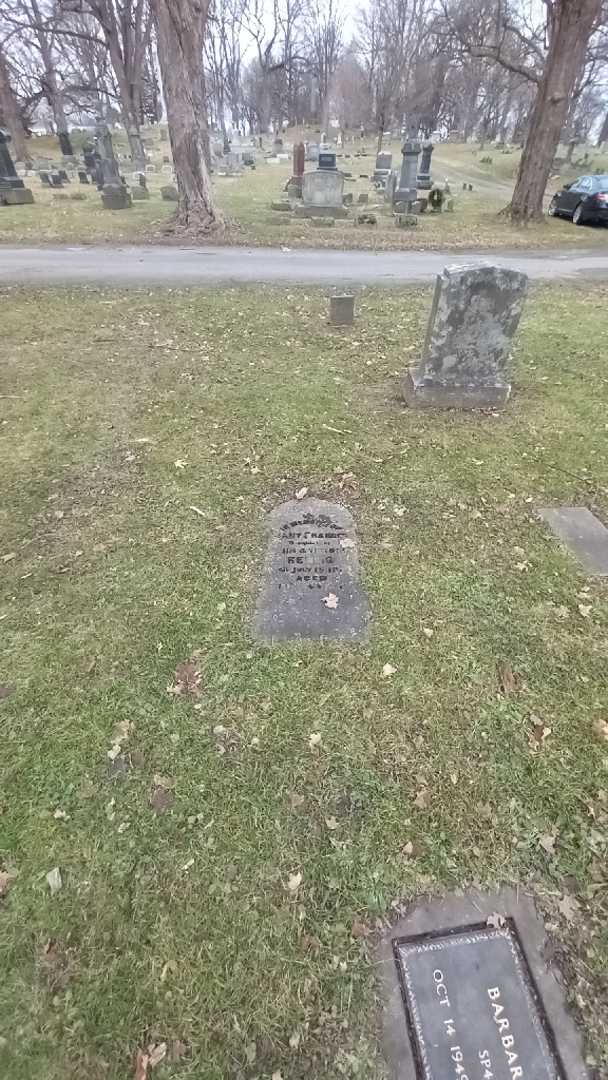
(465, 362)
(423, 179)
(311, 584)
(405, 191)
(13, 191)
(114, 193)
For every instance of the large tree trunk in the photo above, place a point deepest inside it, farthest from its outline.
(51, 88)
(128, 91)
(180, 26)
(570, 27)
(11, 114)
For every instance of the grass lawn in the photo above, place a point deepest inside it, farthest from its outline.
(56, 218)
(144, 436)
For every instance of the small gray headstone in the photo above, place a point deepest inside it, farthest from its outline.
(342, 310)
(582, 533)
(311, 584)
(465, 363)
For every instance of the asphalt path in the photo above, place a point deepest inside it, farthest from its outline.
(132, 266)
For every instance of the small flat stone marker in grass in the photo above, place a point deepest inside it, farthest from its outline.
(582, 533)
(311, 584)
(470, 997)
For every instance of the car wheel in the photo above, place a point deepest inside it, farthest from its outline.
(552, 208)
(578, 215)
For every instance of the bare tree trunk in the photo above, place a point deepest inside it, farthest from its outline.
(52, 92)
(180, 26)
(571, 25)
(604, 132)
(11, 114)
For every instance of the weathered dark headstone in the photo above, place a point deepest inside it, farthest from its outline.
(582, 533)
(465, 362)
(327, 160)
(311, 584)
(294, 185)
(83, 176)
(423, 179)
(169, 193)
(13, 191)
(390, 186)
(114, 192)
(406, 188)
(468, 994)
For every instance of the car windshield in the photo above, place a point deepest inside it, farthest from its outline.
(600, 183)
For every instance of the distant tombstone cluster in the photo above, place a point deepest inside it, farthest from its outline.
(318, 194)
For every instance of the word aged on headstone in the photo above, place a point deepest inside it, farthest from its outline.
(472, 1009)
(311, 580)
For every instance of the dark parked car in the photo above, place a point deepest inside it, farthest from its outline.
(585, 201)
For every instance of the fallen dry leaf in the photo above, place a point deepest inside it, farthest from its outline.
(568, 907)
(496, 920)
(315, 739)
(141, 1065)
(388, 670)
(294, 1040)
(179, 464)
(506, 677)
(5, 882)
(600, 728)
(293, 882)
(428, 633)
(157, 1054)
(119, 737)
(187, 680)
(422, 800)
(547, 843)
(359, 929)
(161, 799)
(585, 610)
(537, 737)
(301, 493)
(54, 880)
(331, 823)
(331, 601)
(408, 849)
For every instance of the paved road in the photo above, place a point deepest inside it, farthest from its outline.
(132, 266)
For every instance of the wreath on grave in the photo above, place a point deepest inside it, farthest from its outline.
(436, 198)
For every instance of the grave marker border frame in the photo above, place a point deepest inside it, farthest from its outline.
(424, 915)
(522, 966)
